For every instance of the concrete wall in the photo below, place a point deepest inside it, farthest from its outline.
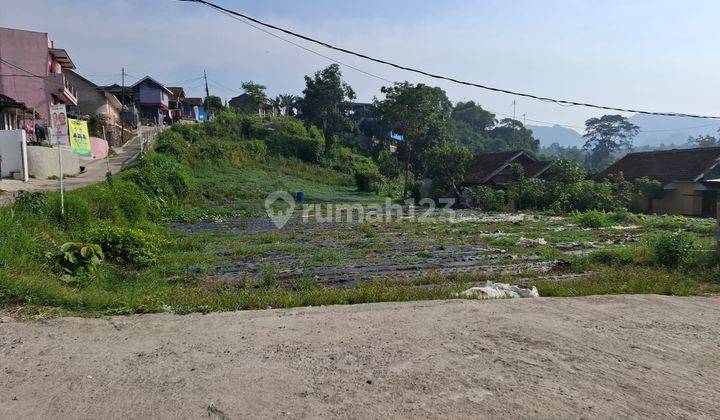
(99, 148)
(43, 162)
(684, 200)
(91, 100)
(11, 151)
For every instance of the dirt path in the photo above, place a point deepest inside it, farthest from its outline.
(598, 357)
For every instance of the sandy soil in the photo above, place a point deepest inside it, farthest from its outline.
(598, 357)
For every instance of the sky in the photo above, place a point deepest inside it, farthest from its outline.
(656, 55)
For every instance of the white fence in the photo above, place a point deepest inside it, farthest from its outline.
(13, 153)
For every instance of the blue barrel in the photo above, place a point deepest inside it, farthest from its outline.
(300, 196)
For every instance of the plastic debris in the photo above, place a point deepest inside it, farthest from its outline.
(530, 243)
(500, 290)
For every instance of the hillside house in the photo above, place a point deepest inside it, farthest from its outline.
(690, 179)
(494, 169)
(152, 99)
(34, 53)
(245, 104)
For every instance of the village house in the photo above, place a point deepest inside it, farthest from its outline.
(152, 99)
(690, 179)
(96, 101)
(176, 99)
(33, 71)
(245, 104)
(12, 113)
(494, 169)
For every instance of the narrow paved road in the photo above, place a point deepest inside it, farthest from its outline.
(597, 357)
(94, 171)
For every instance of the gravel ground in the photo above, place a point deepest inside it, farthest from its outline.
(597, 357)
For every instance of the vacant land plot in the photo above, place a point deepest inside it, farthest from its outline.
(595, 357)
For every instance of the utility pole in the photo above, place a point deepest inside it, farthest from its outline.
(514, 119)
(207, 89)
(524, 119)
(122, 110)
(207, 95)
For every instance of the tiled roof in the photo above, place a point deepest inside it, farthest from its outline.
(665, 165)
(485, 166)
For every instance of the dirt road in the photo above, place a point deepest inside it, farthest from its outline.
(598, 357)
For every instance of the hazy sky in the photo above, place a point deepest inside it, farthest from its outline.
(656, 55)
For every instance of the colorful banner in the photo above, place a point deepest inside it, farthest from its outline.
(79, 137)
(58, 125)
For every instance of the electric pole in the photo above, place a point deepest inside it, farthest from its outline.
(207, 89)
(122, 110)
(207, 95)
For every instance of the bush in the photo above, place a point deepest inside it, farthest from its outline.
(389, 165)
(127, 246)
(290, 145)
(367, 177)
(77, 211)
(76, 260)
(488, 199)
(591, 218)
(34, 202)
(173, 144)
(672, 250)
(160, 176)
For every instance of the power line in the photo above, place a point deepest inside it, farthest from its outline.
(561, 102)
(304, 47)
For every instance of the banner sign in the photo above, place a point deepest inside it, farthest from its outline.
(58, 125)
(79, 137)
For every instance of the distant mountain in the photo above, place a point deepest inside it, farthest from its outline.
(556, 134)
(654, 131)
(657, 130)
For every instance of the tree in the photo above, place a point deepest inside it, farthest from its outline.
(606, 135)
(326, 102)
(288, 103)
(255, 91)
(474, 116)
(704, 141)
(446, 165)
(213, 104)
(515, 135)
(419, 113)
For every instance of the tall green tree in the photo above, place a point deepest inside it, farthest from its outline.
(420, 113)
(213, 104)
(326, 102)
(288, 103)
(474, 116)
(256, 91)
(446, 166)
(515, 135)
(607, 135)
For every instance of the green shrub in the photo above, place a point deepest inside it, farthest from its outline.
(160, 176)
(488, 199)
(672, 250)
(591, 218)
(620, 257)
(173, 144)
(367, 177)
(389, 165)
(34, 202)
(289, 145)
(127, 246)
(77, 210)
(75, 260)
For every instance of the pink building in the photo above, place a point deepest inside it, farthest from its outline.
(31, 71)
